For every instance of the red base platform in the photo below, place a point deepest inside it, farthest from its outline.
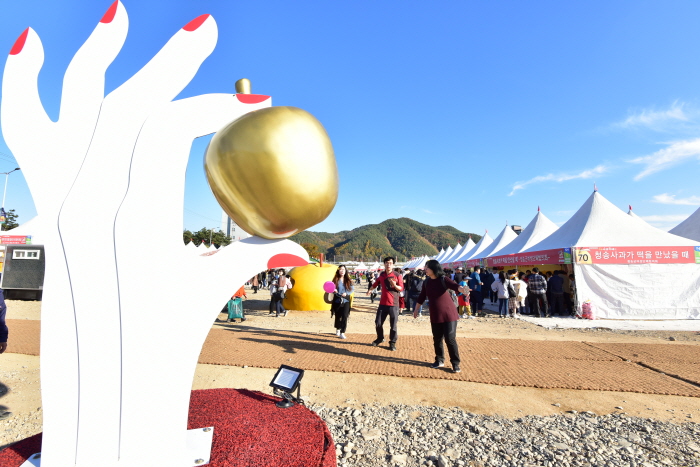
(249, 430)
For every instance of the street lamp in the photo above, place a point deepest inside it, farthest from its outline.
(4, 193)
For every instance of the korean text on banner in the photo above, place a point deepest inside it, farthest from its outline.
(637, 255)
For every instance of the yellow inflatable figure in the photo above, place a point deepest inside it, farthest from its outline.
(307, 293)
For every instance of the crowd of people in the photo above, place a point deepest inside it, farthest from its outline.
(450, 295)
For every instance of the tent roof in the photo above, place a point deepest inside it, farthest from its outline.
(455, 253)
(468, 246)
(485, 241)
(444, 254)
(689, 228)
(420, 264)
(506, 236)
(600, 223)
(539, 228)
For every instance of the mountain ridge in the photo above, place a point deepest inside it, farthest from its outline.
(402, 237)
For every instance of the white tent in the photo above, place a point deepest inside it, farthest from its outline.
(444, 254)
(448, 258)
(375, 267)
(689, 228)
(599, 223)
(455, 261)
(485, 241)
(627, 268)
(437, 257)
(506, 236)
(420, 264)
(539, 228)
(361, 267)
(469, 245)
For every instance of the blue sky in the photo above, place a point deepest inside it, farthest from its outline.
(462, 113)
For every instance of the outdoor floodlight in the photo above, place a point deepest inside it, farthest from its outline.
(286, 380)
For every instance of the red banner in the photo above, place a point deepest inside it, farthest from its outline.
(16, 239)
(473, 262)
(558, 256)
(637, 255)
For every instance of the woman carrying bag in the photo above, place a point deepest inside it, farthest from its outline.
(443, 313)
(341, 300)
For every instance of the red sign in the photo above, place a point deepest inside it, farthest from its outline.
(15, 240)
(558, 256)
(637, 255)
(473, 262)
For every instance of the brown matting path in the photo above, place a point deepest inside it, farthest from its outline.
(680, 361)
(24, 336)
(506, 362)
(645, 368)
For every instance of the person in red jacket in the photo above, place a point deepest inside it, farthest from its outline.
(392, 284)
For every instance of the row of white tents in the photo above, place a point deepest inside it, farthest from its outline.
(362, 267)
(626, 267)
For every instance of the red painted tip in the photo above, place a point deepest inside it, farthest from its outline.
(251, 98)
(538, 209)
(19, 43)
(630, 206)
(196, 23)
(285, 260)
(110, 13)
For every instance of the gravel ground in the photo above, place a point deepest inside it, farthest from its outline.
(401, 435)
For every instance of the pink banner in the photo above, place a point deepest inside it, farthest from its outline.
(558, 256)
(637, 255)
(473, 262)
(15, 240)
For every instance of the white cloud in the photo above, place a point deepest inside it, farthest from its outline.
(655, 119)
(665, 198)
(585, 174)
(666, 158)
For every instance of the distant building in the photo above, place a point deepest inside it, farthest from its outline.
(232, 229)
(517, 229)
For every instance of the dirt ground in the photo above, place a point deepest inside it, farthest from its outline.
(20, 373)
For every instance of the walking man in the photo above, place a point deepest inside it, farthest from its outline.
(392, 284)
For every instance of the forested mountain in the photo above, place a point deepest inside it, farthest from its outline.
(403, 238)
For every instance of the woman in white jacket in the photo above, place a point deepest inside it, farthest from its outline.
(517, 303)
(520, 288)
(502, 291)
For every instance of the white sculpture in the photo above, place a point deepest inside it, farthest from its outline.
(121, 332)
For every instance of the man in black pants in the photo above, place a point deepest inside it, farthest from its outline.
(392, 284)
(536, 292)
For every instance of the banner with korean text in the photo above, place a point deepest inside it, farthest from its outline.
(557, 256)
(15, 239)
(637, 255)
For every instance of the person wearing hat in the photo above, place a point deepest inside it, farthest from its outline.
(459, 273)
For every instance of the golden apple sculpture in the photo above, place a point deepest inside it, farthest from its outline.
(273, 171)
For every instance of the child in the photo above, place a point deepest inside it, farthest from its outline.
(463, 300)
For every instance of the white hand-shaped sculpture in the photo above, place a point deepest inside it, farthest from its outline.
(121, 331)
